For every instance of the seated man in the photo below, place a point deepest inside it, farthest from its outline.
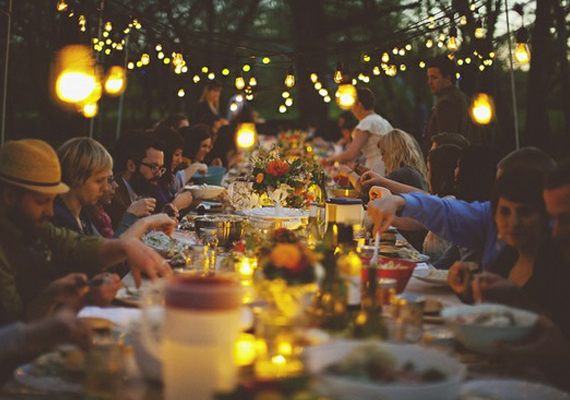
(34, 253)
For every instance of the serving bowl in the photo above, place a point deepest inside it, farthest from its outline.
(394, 268)
(213, 177)
(347, 388)
(204, 192)
(479, 327)
(229, 228)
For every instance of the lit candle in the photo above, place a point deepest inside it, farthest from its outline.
(245, 350)
(246, 266)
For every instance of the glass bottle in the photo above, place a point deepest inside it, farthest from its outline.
(329, 310)
(313, 234)
(349, 265)
(211, 240)
(368, 321)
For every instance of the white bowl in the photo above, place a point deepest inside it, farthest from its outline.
(482, 338)
(344, 388)
(204, 192)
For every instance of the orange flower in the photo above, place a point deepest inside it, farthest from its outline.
(277, 168)
(259, 178)
(287, 255)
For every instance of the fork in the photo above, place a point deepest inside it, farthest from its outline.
(374, 259)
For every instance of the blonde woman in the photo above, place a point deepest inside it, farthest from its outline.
(403, 161)
(208, 108)
(86, 167)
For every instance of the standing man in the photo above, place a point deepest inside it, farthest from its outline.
(366, 134)
(451, 110)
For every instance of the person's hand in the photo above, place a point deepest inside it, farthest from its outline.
(142, 258)
(191, 170)
(182, 200)
(217, 162)
(161, 222)
(377, 192)
(68, 291)
(171, 210)
(371, 178)
(142, 207)
(62, 327)
(492, 288)
(103, 288)
(383, 211)
(460, 278)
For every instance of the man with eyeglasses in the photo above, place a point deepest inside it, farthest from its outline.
(139, 164)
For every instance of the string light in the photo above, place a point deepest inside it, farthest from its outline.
(314, 77)
(522, 51)
(239, 82)
(479, 31)
(365, 58)
(376, 70)
(145, 59)
(211, 75)
(289, 102)
(196, 78)
(290, 78)
(225, 71)
(246, 68)
(181, 93)
(452, 42)
(385, 57)
(158, 47)
(482, 109)
(318, 85)
(338, 73)
(90, 110)
(82, 23)
(62, 6)
(108, 26)
(246, 135)
(252, 81)
(282, 109)
(429, 43)
(285, 94)
(463, 20)
(266, 60)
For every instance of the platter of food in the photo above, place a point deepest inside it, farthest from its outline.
(171, 249)
(436, 277)
(60, 371)
(204, 191)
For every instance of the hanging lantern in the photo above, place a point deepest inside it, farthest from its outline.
(246, 135)
(346, 94)
(290, 78)
(115, 81)
(482, 109)
(522, 51)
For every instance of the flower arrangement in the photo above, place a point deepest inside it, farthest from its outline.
(283, 179)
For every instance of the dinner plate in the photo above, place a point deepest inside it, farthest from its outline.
(24, 376)
(269, 213)
(435, 277)
(498, 389)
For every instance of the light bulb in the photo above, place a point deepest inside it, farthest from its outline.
(482, 109)
(522, 53)
(339, 72)
(240, 82)
(346, 96)
(116, 81)
(246, 136)
(385, 57)
(290, 78)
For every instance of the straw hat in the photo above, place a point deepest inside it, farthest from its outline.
(31, 164)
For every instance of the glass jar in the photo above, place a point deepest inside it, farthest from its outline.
(210, 239)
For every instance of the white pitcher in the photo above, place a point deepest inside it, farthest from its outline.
(201, 324)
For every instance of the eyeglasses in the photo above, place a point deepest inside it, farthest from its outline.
(155, 168)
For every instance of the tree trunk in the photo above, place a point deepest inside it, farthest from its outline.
(564, 69)
(537, 132)
(308, 30)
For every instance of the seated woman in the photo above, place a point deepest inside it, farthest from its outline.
(529, 261)
(403, 161)
(405, 166)
(197, 144)
(86, 167)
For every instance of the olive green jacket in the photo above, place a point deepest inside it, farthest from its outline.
(68, 252)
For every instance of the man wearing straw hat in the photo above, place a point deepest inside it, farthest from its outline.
(30, 179)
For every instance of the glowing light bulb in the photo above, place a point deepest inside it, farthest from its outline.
(246, 68)
(452, 42)
(61, 6)
(346, 96)
(90, 110)
(225, 71)
(246, 136)
(429, 43)
(266, 60)
(285, 94)
(522, 51)
(482, 109)
(108, 26)
(145, 59)
(376, 70)
(252, 81)
(314, 77)
(338, 73)
(289, 102)
(282, 109)
(240, 82)
(479, 31)
(181, 93)
(290, 78)
(116, 81)
(385, 57)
